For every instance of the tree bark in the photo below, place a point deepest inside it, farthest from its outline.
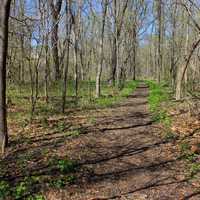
(55, 10)
(134, 50)
(99, 71)
(68, 34)
(4, 17)
(173, 43)
(159, 67)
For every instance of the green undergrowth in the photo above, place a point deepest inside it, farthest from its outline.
(20, 101)
(192, 159)
(107, 99)
(61, 174)
(159, 94)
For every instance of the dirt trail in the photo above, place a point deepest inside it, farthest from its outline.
(122, 157)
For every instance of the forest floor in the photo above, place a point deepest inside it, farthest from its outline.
(117, 152)
(125, 157)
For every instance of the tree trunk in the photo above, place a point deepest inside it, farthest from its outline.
(46, 76)
(68, 33)
(114, 48)
(179, 82)
(55, 11)
(54, 41)
(76, 65)
(134, 50)
(99, 71)
(114, 61)
(159, 67)
(4, 16)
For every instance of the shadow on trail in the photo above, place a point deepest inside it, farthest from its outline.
(194, 194)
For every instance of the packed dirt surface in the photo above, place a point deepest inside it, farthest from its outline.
(123, 157)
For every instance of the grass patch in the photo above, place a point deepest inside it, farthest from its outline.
(158, 94)
(191, 158)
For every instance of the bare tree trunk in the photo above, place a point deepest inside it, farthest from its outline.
(68, 33)
(76, 65)
(22, 60)
(99, 71)
(22, 68)
(134, 50)
(179, 82)
(4, 17)
(55, 10)
(118, 28)
(186, 51)
(114, 61)
(65, 80)
(173, 64)
(46, 70)
(159, 13)
(76, 20)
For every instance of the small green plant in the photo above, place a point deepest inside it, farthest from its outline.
(73, 133)
(66, 166)
(190, 157)
(21, 190)
(71, 179)
(170, 136)
(24, 188)
(4, 189)
(195, 168)
(92, 120)
(63, 181)
(59, 183)
(36, 197)
(60, 126)
(184, 147)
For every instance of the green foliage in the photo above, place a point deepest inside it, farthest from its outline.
(71, 179)
(4, 189)
(106, 100)
(61, 182)
(61, 126)
(66, 166)
(158, 93)
(128, 88)
(184, 147)
(21, 104)
(191, 157)
(21, 190)
(92, 120)
(36, 197)
(73, 133)
(25, 187)
(170, 136)
(195, 168)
